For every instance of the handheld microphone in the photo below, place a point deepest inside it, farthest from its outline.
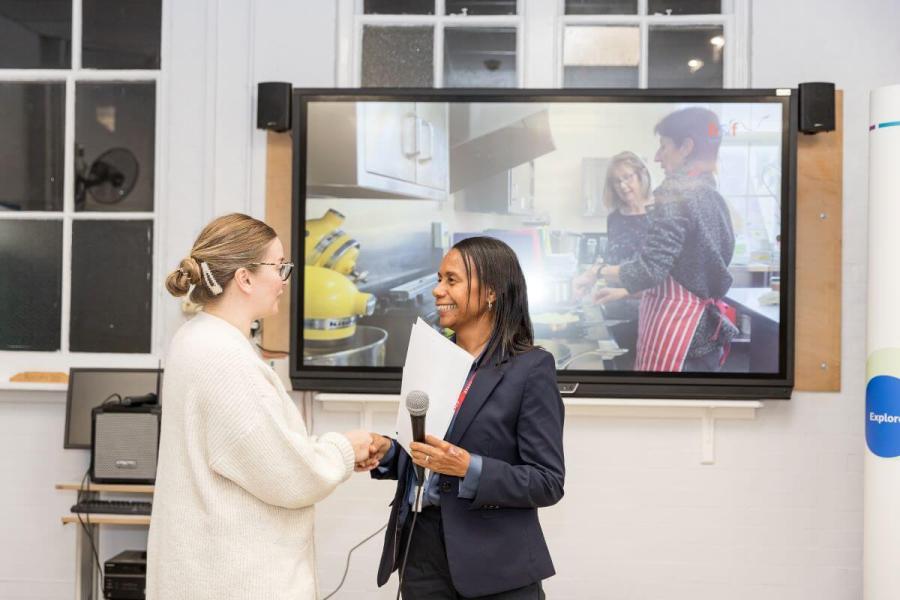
(150, 398)
(417, 406)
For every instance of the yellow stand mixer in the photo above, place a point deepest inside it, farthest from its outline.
(329, 247)
(331, 305)
(331, 301)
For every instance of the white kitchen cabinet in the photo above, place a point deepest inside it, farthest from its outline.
(404, 147)
(521, 189)
(378, 150)
(389, 130)
(432, 145)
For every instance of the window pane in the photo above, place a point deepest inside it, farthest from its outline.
(35, 34)
(602, 56)
(480, 7)
(686, 57)
(480, 57)
(121, 35)
(397, 57)
(112, 267)
(114, 146)
(601, 7)
(31, 145)
(30, 284)
(685, 7)
(399, 7)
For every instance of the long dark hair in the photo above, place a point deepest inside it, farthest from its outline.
(497, 268)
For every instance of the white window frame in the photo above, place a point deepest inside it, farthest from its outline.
(544, 21)
(14, 361)
(734, 20)
(352, 21)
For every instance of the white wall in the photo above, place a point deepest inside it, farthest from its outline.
(777, 516)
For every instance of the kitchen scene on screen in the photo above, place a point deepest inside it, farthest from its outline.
(571, 187)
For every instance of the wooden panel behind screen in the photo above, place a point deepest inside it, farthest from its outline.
(276, 330)
(818, 301)
(819, 220)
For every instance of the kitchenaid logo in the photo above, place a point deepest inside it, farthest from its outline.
(883, 418)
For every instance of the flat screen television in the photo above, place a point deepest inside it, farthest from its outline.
(655, 229)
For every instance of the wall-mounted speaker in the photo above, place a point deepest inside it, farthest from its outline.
(816, 107)
(273, 105)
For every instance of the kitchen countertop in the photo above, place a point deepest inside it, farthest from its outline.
(749, 299)
(589, 346)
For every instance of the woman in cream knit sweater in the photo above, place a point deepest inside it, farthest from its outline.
(238, 474)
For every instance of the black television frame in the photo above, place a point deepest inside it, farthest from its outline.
(721, 386)
(159, 375)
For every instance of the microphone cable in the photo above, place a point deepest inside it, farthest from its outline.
(347, 565)
(380, 529)
(87, 527)
(409, 537)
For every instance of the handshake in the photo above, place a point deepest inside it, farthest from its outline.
(434, 453)
(369, 448)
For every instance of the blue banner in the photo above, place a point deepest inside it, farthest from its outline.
(883, 416)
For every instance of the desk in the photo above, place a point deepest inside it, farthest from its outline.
(87, 585)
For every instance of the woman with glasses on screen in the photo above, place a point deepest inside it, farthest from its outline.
(626, 195)
(237, 474)
(682, 265)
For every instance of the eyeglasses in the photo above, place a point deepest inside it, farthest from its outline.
(626, 179)
(284, 269)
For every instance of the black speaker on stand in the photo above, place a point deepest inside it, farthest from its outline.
(273, 105)
(816, 106)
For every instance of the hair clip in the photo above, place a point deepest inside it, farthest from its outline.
(210, 281)
(182, 271)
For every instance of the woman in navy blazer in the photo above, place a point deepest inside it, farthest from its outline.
(478, 534)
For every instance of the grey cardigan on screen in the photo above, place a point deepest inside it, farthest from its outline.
(691, 238)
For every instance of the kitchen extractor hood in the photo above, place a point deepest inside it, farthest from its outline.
(500, 149)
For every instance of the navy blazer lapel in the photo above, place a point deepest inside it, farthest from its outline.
(486, 379)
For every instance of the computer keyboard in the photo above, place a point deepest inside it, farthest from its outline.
(113, 507)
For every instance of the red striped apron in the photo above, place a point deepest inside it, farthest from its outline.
(667, 319)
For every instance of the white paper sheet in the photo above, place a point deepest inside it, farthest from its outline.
(438, 367)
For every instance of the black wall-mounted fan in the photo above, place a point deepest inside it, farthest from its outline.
(110, 178)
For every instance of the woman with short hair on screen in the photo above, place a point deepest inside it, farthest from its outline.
(237, 474)
(682, 266)
(478, 533)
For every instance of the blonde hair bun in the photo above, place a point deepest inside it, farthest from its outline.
(225, 245)
(180, 280)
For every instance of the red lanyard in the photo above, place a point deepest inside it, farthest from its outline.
(464, 392)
